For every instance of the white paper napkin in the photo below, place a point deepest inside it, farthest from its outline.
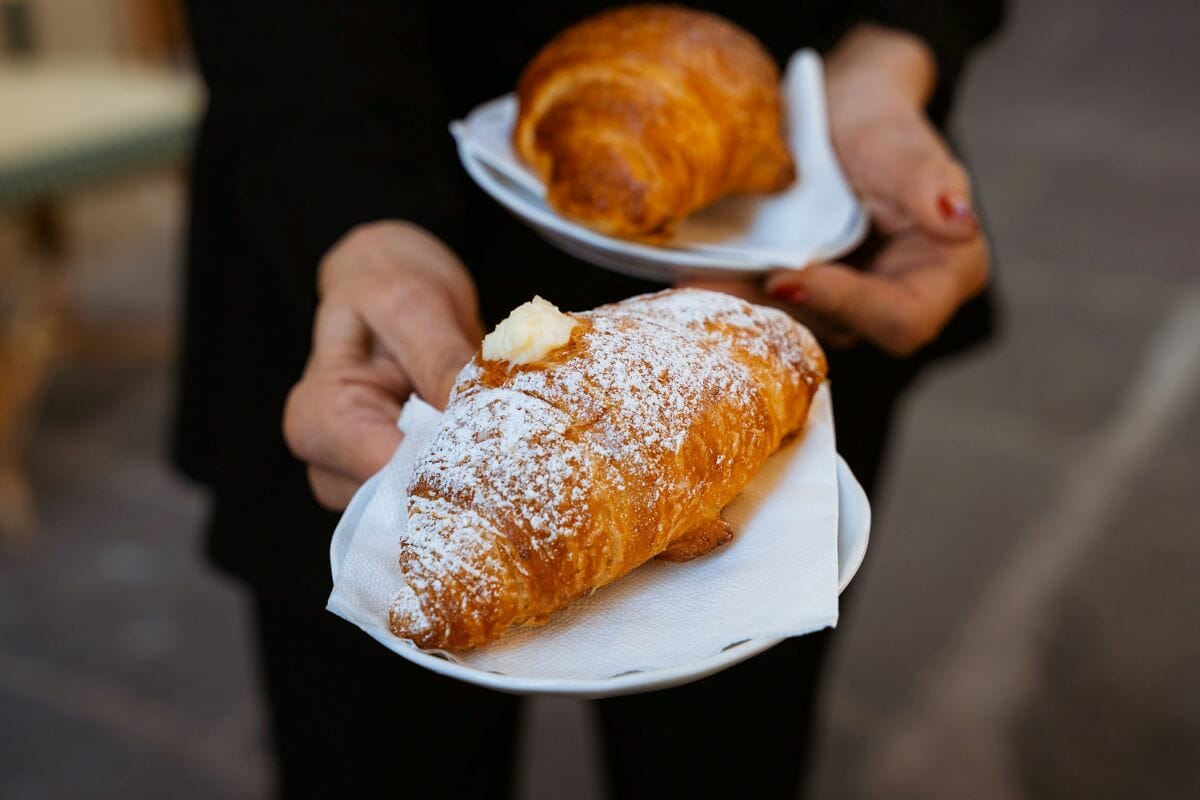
(777, 578)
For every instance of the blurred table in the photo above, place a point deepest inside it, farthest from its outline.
(66, 126)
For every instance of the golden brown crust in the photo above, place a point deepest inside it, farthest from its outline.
(636, 117)
(549, 480)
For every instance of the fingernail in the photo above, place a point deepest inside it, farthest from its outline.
(792, 294)
(957, 209)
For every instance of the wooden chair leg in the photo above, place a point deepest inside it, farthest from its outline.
(25, 358)
(28, 342)
(18, 514)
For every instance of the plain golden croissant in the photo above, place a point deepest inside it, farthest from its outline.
(636, 117)
(577, 447)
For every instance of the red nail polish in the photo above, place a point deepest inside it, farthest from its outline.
(955, 208)
(792, 294)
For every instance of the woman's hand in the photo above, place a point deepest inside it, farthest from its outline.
(932, 257)
(397, 314)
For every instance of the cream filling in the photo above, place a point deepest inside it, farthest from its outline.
(529, 333)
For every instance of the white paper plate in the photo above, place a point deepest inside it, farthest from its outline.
(818, 217)
(854, 527)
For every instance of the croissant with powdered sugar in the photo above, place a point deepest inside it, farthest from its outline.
(576, 447)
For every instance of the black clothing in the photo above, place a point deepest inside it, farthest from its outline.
(740, 733)
(324, 115)
(379, 726)
(366, 723)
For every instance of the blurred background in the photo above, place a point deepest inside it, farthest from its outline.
(1028, 622)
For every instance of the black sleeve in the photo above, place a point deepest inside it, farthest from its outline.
(952, 29)
(341, 123)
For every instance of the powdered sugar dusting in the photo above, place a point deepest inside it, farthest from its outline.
(764, 332)
(507, 455)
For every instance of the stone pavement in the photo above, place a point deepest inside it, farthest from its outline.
(1028, 624)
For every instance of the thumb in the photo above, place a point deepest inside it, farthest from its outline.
(420, 329)
(441, 372)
